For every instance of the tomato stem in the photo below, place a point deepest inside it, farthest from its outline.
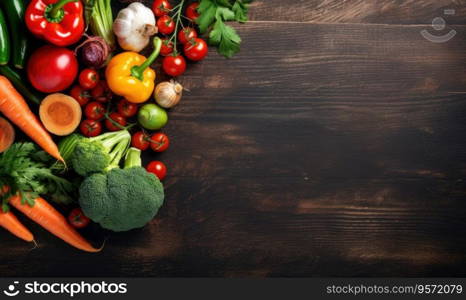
(131, 125)
(177, 15)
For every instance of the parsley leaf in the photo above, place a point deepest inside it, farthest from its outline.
(225, 14)
(207, 10)
(226, 38)
(23, 174)
(214, 14)
(240, 9)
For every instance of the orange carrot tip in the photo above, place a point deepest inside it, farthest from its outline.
(49, 218)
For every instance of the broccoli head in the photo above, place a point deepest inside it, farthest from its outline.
(122, 199)
(101, 153)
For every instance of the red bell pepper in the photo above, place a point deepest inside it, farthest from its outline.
(61, 22)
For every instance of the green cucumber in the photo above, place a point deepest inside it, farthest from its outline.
(4, 41)
(18, 83)
(14, 10)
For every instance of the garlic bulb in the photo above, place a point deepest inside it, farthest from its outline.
(134, 26)
(168, 93)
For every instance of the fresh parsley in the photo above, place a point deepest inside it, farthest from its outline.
(214, 14)
(23, 171)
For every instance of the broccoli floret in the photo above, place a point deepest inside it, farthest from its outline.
(122, 199)
(101, 153)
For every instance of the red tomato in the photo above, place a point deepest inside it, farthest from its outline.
(191, 11)
(126, 108)
(116, 117)
(166, 25)
(101, 92)
(157, 168)
(196, 49)
(90, 128)
(187, 34)
(174, 65)
(140, 140)
(94, 110)
(77, 218)
(161, 8)
(88, 79)
(159, 142)
(52, 69)
(167, 47)
(80, 95)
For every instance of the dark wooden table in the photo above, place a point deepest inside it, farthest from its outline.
(332, 145)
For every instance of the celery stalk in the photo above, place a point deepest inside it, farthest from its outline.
(99, 17)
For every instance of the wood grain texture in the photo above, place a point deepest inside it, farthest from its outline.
(359, 11)
(320, 150)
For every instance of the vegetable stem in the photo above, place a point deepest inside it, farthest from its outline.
(101, 19)
(177, 15)
(138, 71)
(133, 158)
(56, 12)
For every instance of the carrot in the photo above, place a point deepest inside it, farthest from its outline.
(7, 134)
(15, 108)
(9, 221)
(48, 217)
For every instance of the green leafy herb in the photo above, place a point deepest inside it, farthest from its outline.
(23, 171)
(214, 14)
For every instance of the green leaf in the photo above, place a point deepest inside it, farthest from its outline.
(241, 11)
(225, 3)
(226, 38)
(215, 36)
(225, 13)
(214, 14)
(207, 10)
(26, 171)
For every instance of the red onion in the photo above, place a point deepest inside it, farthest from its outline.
(93, 52)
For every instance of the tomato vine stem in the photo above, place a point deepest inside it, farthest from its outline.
(177, 16)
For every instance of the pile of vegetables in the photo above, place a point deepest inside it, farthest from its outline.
(87, 85)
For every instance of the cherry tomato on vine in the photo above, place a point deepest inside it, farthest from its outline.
(166, 24)
(117, 118)
(186, 35)
(101, 92)
(90, 128)
(161, 8)
(80, 95)
(174, 65)
(159, 142)
(157, 168)
(140, 140)
(167, 47)
(77, 218)
(94, 110)
(191, 11)
(196, 49)
(88, 79)
(126, 108)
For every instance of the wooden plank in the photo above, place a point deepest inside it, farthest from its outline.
(359, 11)
(333, 157)
(336, 151)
